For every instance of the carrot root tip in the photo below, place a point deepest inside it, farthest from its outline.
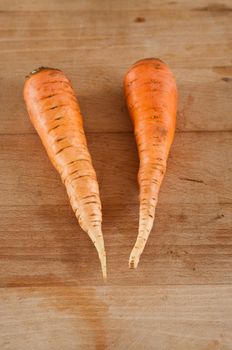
(97, 239)
(134, 259)
(102, 258)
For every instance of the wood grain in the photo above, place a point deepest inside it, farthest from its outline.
(44, 246)
(174, 317)
(51, 291)
(74, 38)
(202, 92)
(199, 170)
(196, 194)
(221, 6)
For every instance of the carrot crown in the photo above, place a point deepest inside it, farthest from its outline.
(37, 70)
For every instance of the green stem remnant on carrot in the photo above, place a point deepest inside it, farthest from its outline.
(151, 95)
(54, 111)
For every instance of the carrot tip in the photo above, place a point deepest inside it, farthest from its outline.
(134, 260)
(99, 245)
(131, 264)
(37, 70)
(103, 266)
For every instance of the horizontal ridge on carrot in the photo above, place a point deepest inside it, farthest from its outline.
(54, 111)
(151, 96)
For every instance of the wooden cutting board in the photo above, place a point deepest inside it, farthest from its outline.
(52, 294)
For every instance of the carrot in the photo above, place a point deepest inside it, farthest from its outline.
(54, 111)
(151, 95)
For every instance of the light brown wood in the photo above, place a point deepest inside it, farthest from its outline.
(194, 38)
(190, 244)
(202, 92)
(173, 317)
(199, 170)
(219, 8)
(52, 295)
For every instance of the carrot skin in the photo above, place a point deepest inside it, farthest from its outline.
(151, 96)
(54, 111)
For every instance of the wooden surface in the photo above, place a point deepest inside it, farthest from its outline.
(52, 295)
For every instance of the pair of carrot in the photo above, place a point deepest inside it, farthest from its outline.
(151, 95)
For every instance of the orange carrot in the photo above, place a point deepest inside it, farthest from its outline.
(54, 111)
(151, 95)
